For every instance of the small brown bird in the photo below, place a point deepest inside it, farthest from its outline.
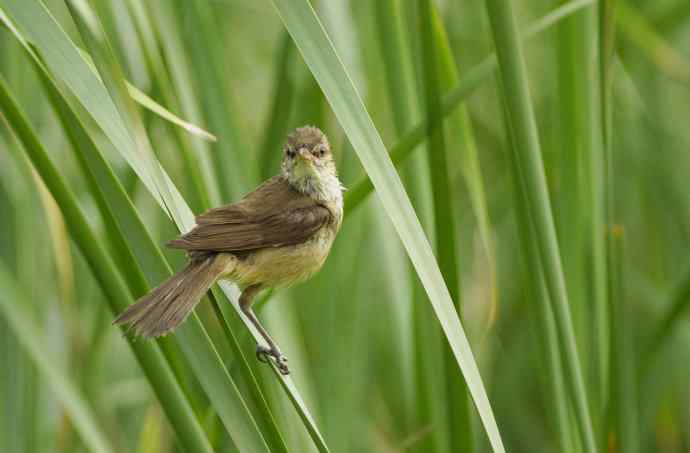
(277, 235)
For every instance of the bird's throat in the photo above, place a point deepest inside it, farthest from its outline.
(321, 185)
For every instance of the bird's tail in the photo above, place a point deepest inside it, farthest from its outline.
(164, 308)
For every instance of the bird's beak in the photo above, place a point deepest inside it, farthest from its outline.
(305, 155)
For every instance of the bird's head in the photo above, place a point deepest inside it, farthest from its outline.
(307, 159)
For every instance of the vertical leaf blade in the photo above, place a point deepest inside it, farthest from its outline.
(531, 170)
(319, 54)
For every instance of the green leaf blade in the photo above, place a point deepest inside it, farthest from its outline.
(320, 56)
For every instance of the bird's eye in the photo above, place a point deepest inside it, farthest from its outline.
(290, 153)
(319, 151)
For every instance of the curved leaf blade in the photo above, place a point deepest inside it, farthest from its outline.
(65, 61)
(320, 55)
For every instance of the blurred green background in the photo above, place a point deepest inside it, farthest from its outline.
(610, 87)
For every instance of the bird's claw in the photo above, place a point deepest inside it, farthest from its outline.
(281, 363)
(265, 354)
(262, 353)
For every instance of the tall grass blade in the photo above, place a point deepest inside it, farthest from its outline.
(579, 198)
(472, 80)
(127, 224)
(438, 161)
(319, 54)
(233, 173)
(623, 401)
(145, 101)
(570, 198)
(133, 236)
(123, 229)
(172, 400)
(460, 427)
(142, 99)
(528, 239)
(170, 72)
(400, 84)
(69, 67)
(462, 125)
(529, 161)
(209, 369)
(64, 59)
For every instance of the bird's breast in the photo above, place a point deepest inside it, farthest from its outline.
(287, 265)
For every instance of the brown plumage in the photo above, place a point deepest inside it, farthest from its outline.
(277, 235)
(274, 215)
(170, 303)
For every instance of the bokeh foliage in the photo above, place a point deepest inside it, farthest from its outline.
(599, 364)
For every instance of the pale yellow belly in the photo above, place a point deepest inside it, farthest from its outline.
(283, 266)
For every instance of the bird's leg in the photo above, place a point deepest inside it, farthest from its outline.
(262, 352)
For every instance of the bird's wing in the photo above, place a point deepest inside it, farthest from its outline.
(273, 215)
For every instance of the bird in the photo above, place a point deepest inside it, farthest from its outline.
(276, 236)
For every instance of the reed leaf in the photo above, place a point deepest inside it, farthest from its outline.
(167, 390)
(473, 79)
(458, 415)
(531, 170)
(319, 54)
(204, 360)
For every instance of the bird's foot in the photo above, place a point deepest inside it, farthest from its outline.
(264, 354)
